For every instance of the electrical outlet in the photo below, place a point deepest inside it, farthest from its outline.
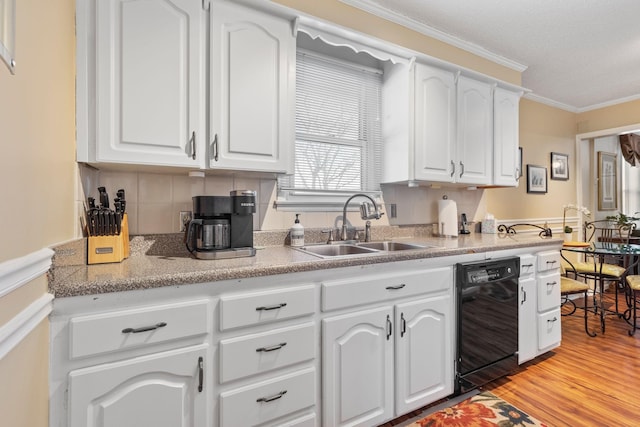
(185, 217)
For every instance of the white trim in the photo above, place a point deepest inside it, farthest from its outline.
(609, 103)
(412, 24)
(16, 329)
(551, 102)
(19, 271)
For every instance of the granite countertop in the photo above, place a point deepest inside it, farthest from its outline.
(157, 261)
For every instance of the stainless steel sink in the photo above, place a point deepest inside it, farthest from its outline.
(337, 250)
(390, 246)
(355, 249)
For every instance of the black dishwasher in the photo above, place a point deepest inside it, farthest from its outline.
(487, 321)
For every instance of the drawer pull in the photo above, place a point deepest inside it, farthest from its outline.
(552, 262)
(527, 266)
(393, 288)
(144, 328)
(555, 319)
(272, 348)
(552, 283)
(272, 398)
(271, 307)
(200, 373)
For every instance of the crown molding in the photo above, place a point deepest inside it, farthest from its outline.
(551, 102)
(374, 9)
(609, 103)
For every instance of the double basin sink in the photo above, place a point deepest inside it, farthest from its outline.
(358, 248)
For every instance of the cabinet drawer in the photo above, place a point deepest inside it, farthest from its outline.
(548, 260)
(549, 330)
(527, 265)
(107, 332)
(251, 308)
(256, 353)
(368, 289)
(265, 401)
(308, 420)
(548, 291)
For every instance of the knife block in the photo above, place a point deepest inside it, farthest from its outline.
(106, 249)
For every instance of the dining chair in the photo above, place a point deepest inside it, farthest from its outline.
(569, 287)
(596, 267)
(633, 281)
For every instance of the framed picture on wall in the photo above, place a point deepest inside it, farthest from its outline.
(536, 179)
(607, 181)
(559, 166)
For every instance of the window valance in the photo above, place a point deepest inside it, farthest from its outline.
(630, 147)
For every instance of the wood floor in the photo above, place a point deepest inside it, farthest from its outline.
(585, 382)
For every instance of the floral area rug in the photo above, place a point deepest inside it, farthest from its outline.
(481, 410)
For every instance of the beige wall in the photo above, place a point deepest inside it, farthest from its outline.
(619, 115)
(37, 170)
(37, 130)
(24, 371)
(543, 129)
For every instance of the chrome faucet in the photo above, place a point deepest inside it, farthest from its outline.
(365, 213)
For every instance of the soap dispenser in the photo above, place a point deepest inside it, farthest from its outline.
(297, 233)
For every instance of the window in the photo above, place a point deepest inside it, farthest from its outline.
(338, 130)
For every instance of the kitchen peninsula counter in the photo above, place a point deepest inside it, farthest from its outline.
(160, 261)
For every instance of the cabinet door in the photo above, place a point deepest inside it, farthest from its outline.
(357, 368)
(150, 80)
(253, 88)
(434, 124)
(424, 352)
(527, 320)
(474, 147)
(506, 164)
(156, 390)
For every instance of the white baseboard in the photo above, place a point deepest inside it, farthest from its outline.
(14, 274)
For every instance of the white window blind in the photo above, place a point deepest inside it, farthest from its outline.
(338, 131)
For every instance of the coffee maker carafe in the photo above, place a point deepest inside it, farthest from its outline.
(222, 227)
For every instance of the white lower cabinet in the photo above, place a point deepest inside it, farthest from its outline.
(424, 352)
(382, 362)
(527, 324)
(267, 357)
(161, 390)
(357, 368)
(539, 314)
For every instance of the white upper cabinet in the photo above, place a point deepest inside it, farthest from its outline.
(461, 130)
(506, 161)
(474, 144)
(147, 101)
(434, 124)
(252, 90)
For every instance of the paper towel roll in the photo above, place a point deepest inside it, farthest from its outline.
(448, 217)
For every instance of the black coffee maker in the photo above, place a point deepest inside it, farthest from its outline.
(222, 227)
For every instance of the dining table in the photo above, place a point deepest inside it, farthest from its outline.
(623, 254)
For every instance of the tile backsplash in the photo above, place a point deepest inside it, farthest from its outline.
(154, 200)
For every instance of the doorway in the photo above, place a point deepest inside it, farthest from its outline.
(627, 177)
